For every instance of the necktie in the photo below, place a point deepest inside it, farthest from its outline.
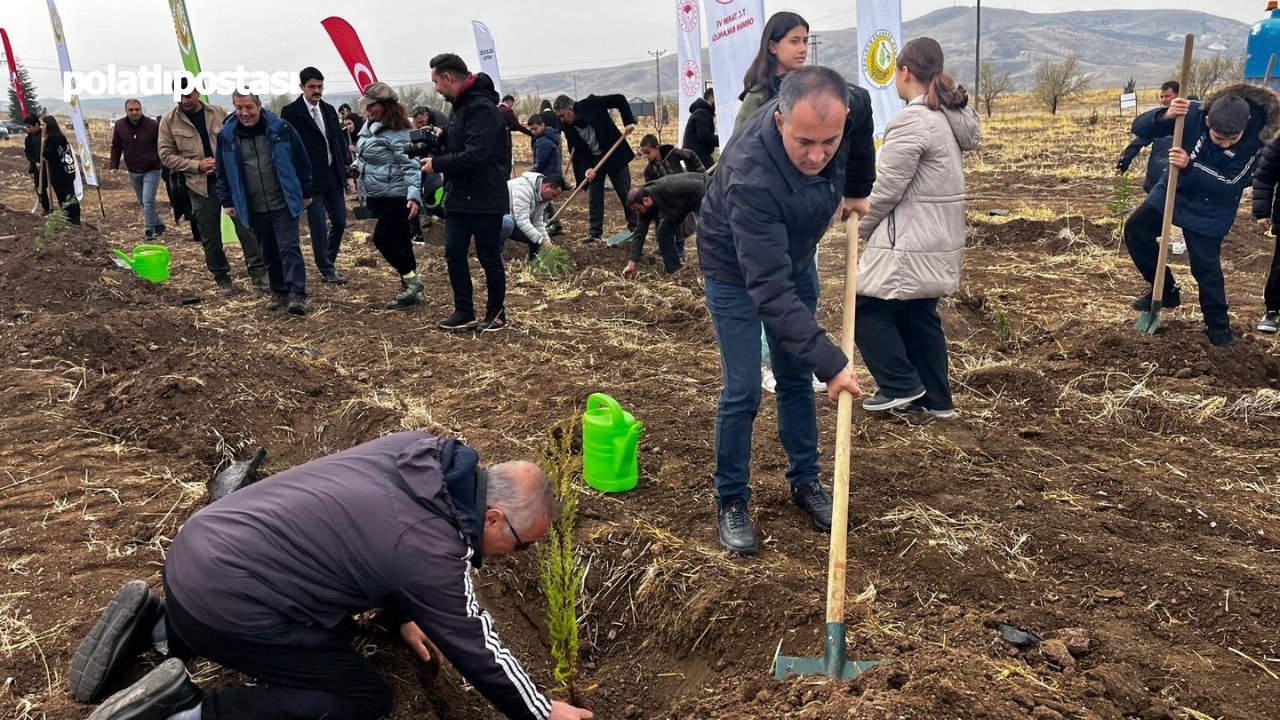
(315, 115)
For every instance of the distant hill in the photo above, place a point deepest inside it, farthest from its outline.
(1114, 44)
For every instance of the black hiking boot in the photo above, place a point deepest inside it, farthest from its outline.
(1172, 299)
(297, 305)
(1221, 337)
(123, 630)
(260, 281)
(737, 534)
(226, 288)
(276, 302)
(815, 501)
(160, 693)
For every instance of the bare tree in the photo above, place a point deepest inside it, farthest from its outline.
(1058, 82)
(991, 84)
(1209, 72)
(278, 102)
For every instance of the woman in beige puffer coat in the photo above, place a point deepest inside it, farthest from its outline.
(915, 237)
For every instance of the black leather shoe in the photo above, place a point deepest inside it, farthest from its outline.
(815, 501)
(123, 630)
(160, 693)
(333, 278)
(737, 534)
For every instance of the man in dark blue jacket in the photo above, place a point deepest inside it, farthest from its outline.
(590, 132)
(259, 580)
(700, 130)
(475, 164)
(546, 147)
(264, 179)
(1220, 145)
(317, 124)
(778, 184)
(1157, 160)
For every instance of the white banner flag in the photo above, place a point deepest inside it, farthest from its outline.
(688, 59)
(83, 156)
(879, 37)
(734, 28)
(488, 56)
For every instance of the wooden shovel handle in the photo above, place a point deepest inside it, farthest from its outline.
(594, 170)
(844, 437)
(1179, 123)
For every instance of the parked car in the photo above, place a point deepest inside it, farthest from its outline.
(4, 132)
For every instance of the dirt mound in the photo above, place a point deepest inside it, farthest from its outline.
(1019, 383)
(1057, 235)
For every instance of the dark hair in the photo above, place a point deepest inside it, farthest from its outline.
(764, 68)
(555, 181)
(132, 101)
(811, 81)
(649, 140)
(563, 102)
(308, 74)
(344, 106)
(535, 119)
(505, 98)
(448, 63)
(52, 132)
(546, 105)
(708, 93)
(1171, 85)
(31, 120)
(636, 195)
(923, 57)
(419, 110)
(1229, 115)
(394, 115)
(356, 121)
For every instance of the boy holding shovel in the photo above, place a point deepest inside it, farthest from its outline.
(1221, 142)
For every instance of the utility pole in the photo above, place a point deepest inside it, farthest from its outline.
(977, 54)
(575, 86)
(813, 48)
(657, 79)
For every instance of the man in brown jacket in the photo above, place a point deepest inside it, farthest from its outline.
(187, 136)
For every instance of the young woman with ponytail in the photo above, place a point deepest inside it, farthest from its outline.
(915, 237)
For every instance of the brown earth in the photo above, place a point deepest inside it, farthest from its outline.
(1115, 492)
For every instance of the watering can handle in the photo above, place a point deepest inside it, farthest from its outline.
(596, 400)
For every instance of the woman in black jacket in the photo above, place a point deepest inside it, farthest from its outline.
(60, 166)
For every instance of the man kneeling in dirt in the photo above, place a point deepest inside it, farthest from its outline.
(672, 200)
(1220, 146)
(258, 580)
(779, 182)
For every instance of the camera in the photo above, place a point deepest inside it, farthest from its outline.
(423, 143)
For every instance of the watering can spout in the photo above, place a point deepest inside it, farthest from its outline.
(127, 259)
(627, 444)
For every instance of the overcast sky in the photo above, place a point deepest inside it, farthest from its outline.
(531, 35)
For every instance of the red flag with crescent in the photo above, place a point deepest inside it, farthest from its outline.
(352, 51)
(14, 78)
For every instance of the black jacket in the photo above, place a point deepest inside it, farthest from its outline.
(1157, 163)
(60, 169)
(674, 197)
(700, 131)
(31, 146)
(393, 523)
(762, 218)
(674, 160)
(1264, 183)
(332, 177)
(593, 112)
(474, 161)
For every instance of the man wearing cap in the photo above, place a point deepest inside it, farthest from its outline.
(317, 124)
(260, 580)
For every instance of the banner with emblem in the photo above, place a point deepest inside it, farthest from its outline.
(688, 59)
(733, 28)
(879, 37)
(84, 158)
(488, 54)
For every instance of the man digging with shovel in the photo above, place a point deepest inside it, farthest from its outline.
(1220, 145)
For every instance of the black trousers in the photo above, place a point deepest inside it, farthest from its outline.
(1271, 295)
(459, 228)
(391, 232)
(621, 179)
(302, 673)
(1205, 254)
(901, 342)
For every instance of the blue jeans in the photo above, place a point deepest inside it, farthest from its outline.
(277, 231)
(736, 324)
(324, 245)
(144, 188)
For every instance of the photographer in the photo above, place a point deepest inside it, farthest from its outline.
(389, 183)
(472, 163)
(426, 118)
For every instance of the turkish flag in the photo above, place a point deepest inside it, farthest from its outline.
(14, 78)
(348, 43)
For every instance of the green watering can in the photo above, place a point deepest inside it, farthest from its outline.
(150, 262)
(609, 436)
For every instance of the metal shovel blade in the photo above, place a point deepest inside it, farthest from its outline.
(833, 662)
(235, 476)
(618, 238)
(1149, 321)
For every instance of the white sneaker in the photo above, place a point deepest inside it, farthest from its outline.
(818, 385)
(768, 381)
(1178, 245)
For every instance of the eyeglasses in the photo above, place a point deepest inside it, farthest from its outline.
(521, 545)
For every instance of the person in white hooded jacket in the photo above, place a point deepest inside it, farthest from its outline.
(915, 237)
(531, 194)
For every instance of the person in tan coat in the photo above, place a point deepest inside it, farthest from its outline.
(187, 146)
(915, 237)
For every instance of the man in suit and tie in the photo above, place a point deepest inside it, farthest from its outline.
(317, 124)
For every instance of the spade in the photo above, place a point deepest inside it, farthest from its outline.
(235, 476)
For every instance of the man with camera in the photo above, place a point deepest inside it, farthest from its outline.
(471, 162)
(590, 132)
(317, 124)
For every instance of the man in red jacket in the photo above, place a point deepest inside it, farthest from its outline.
(136, 136)
(259, 580)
